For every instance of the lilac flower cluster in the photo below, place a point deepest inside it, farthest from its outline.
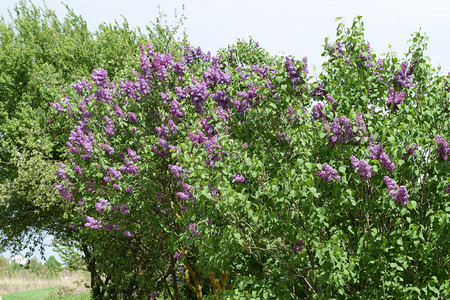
(379, 68)
(444, 150)
(377, 152)
(65, 192)
(129, 167)
(100, 77)
(250, 98)
(410, 150)
(214, 75)
(336, 134)
(239, 178)
(77, 137)
(192, 228)
(296, 75)
(404, 76)
(328, 173)
(81, 86)
(196, 54)
(107, 148)
(365, 170)
(318, 91)
(368, 57)
(100, 205)
(62, 174)
(109, 127)
(335, 51)
(177, 171)
(395, 99)
(187, 194)
(317, 112)
(221, 99)
(92, 223)
(298, 246)
(198, 94)
(399, 193)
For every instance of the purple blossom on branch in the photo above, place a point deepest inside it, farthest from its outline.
(239, 178)
(444, 150)
(328, 173)
(92, 223)
(365, 170)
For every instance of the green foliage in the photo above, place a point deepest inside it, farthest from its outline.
(39, 294)
(53, 264)
(284, 188)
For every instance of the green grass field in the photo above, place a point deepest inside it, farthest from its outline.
(43, 294)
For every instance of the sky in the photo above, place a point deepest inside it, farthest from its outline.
(284, 27)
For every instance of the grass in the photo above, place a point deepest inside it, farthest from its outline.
(38, 294)
(23, 280)
(45, 294)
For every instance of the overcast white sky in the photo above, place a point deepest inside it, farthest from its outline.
(285, 27)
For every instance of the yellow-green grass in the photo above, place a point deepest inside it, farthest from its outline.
(23, 280)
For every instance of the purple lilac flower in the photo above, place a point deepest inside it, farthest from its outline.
(172, 126)
(132, 117)
(129, 190)
(92, 223)
(132, 154)
(193, 229)
(178, 255)
(404, 77)
(365, 170)
(160, 63)
(221, 99)
(298, 246)
(328, 173)
(444, 150)
(108, 227)
(176, 170)
(107, 148)
(176, 109)
(126, 233)
(183, 196)
(100, 77)
(116, 227)
(239, 178)
(78, 170)
(62, 174)
(109, 129)
(386, 163)
(296, 75)
(402, 196)
(73, 227)
(115, 186)
(410, 150)
(124, 210)
(395, 99)
(391, 185)
(81, 85)
(336, 132)
(153, 295)
(317, 112)
(214, 75)
(447, 190)
(106, 179)
(129, 168)
(115, 173)
(198, 94)
(64, 192)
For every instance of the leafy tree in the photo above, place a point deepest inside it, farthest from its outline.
(262, 182)
(40, 57)
(53, 264)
